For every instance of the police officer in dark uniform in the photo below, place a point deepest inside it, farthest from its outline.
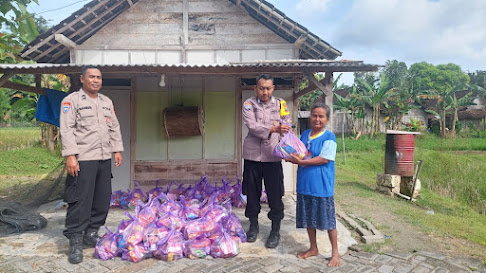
(90, 134)
(261, 114)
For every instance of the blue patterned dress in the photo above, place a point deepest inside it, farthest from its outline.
(315, 184)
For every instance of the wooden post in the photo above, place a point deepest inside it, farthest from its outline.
(43, 134)
(50, 137)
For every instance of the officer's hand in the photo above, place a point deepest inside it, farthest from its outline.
(118, 159)
(284, 128)
(72, 165)
(281, 129)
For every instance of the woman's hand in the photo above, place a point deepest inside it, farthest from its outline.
(294, 159)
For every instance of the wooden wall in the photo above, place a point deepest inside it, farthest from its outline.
(146, 173)
(184, 31)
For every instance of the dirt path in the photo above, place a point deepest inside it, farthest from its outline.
(404, 236)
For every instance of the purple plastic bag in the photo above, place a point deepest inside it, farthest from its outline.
(197, 248)
(155, 191)
(226, 246)
(172, 249)
(119, 199)
(107, 246)
(154, 234)
(136, 194)
(264, 197)
(232, 225)
(290, 144)
(237, 199)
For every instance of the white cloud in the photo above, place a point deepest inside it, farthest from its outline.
(312, 7)
(415, 30)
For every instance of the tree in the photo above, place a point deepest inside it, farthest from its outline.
(374, 94)
(402, 99)
(439, 83)
(307, 100)
(478, 78)
(17, 28)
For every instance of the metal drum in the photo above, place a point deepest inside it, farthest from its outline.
(399, 153)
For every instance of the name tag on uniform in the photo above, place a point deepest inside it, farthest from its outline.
(84, 108)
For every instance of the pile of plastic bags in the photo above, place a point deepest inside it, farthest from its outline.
(179, 222)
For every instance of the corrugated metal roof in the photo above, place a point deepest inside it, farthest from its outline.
(85, 22)
(285, 66)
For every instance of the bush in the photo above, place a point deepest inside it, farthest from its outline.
(414, 125)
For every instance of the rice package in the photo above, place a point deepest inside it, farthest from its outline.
(172, 249)
(290, 144)
(226, 246)
(197, 248)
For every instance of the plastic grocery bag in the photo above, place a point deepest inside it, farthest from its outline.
(237, 198)
(136, 194)
(199, 227)
(232, 225)
(107, 247)
(264, 197)
(154, 234)
(290, 144)
(135, 253)
(172, 249)
(119, 199)
(156, 191)
(226, 246)
(197, 248)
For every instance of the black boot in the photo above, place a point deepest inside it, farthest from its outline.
(91, 237)
(251, 235)
(76, 248)
(274, 237)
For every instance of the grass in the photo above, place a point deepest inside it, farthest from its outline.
(34, 161)
(18, 138)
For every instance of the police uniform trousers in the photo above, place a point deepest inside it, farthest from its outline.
(88, 196)
(272, 174)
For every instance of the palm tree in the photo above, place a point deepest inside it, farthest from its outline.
(374, 95)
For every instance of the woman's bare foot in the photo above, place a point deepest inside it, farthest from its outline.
(309, 253)
(335, 260)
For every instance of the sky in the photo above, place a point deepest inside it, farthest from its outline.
(373, 31)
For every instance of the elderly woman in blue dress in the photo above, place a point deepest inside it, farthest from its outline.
(315, 183)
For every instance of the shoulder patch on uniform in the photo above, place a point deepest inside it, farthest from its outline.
(66, 106)
(247, 106)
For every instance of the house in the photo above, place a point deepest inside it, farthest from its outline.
(196, 57)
